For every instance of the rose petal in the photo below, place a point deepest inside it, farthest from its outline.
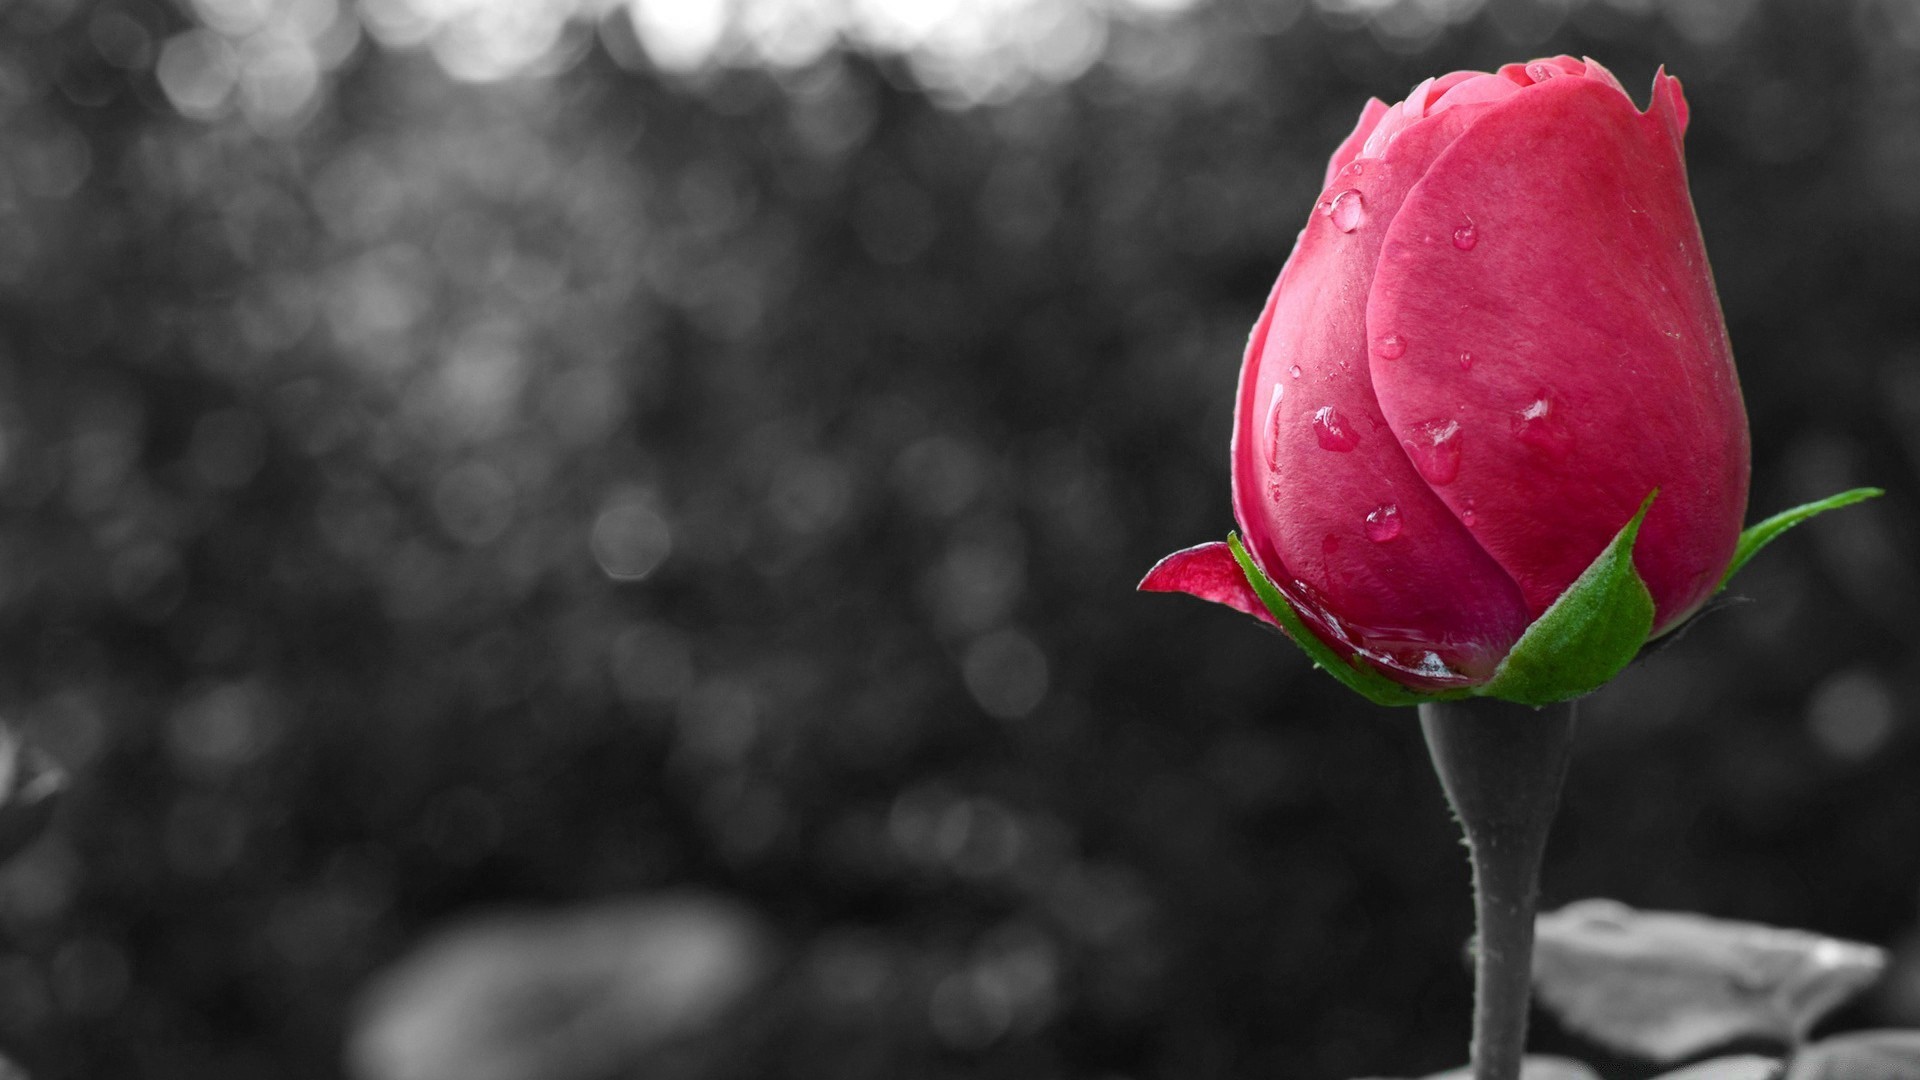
(1350, 148)
(1669, 104)
(1397, 119)
(1416, 102)
(1600, 367)
(1551, 66)
(1304, 508)
(1480, 88)
(1437, 88)
(1209, 572)
(1595, 71)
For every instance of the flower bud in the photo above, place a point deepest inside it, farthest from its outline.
(1495, 337)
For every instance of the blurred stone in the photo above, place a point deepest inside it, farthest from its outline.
(1859, 1055)
(1534, 1067)
(575, 994)
(1666, 985)
(1737, 1067)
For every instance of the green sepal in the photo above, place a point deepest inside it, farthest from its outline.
(1371, 685)
(1752, 540)
(1587, 636)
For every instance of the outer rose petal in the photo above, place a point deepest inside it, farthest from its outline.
(1528, 74)
(1595, 71)
(1480, 88)
(1670, 104)
(1438, 88)
(1209, 572)
(1398, 117)
(1600, 367)
(1350, 148)
(1420, 583)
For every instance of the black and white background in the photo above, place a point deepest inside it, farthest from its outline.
(564, 540)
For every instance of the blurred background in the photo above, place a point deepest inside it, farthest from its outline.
(624, 517)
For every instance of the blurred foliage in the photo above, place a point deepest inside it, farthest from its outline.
(434, 487)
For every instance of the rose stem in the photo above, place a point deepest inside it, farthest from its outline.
(1501, 766)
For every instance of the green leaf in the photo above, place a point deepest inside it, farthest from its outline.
(1369, 684)
(1752, 540)
(1590, 633)
(1665, 985)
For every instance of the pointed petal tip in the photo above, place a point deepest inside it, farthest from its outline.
(1210, 572)
(1596, 70)
(1188, 567)
(1349, 148)
(1669, 102)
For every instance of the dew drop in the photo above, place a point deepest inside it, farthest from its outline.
(1541, 427)
(1294, 371)
(1542, 72)
(1354, 168)
(1273, 427)
(1432, 667)
(1466, 360)
(1333, 431)
(1465, 237)
(1383, 523)
(1467, 515)
(1390, 347)
(1435, 450)
(1347, 211)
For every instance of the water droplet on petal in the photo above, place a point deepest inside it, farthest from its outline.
(1333, 431)
(1294, 371)
(1542, 72)
(1434, 447)
(1390, 347)
(1466, 360)
(1273, 427)
(1354, 168)
(1465, 237)
(1383, 524)
(1467, 515)
(1540, 426)
(1432, 667)
(1347, 211)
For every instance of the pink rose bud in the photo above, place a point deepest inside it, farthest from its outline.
(1496, 335)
